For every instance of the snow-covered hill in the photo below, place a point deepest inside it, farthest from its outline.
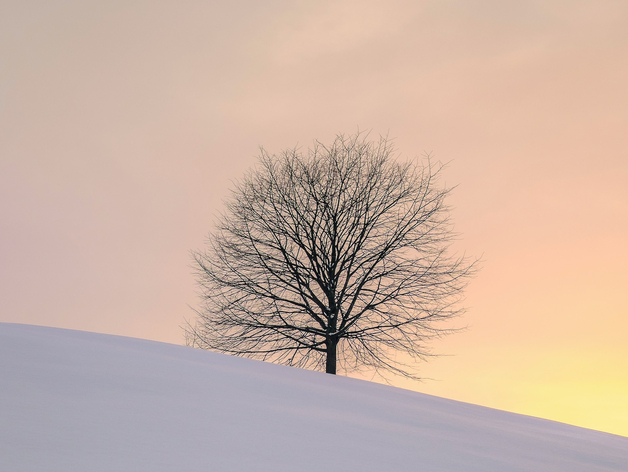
(80, 402)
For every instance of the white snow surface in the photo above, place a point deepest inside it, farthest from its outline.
(74, 401)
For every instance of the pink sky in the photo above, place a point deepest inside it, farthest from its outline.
(122, 124)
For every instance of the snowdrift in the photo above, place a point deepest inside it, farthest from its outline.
(74, 401)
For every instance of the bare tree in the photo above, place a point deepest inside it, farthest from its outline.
(333, 258)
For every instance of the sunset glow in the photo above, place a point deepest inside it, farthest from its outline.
(124, 123)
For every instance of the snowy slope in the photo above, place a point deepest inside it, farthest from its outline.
(73, 401)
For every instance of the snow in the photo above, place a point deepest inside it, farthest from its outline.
(76, 401)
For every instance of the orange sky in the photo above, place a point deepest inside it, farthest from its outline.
(122, 123)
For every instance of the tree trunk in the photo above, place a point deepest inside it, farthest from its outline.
(330, 365)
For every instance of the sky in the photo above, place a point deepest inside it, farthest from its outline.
(124, 123)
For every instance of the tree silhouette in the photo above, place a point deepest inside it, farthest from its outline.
(334, 258)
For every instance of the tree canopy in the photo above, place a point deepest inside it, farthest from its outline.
(333, 258)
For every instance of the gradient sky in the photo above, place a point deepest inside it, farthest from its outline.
(122, 124)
